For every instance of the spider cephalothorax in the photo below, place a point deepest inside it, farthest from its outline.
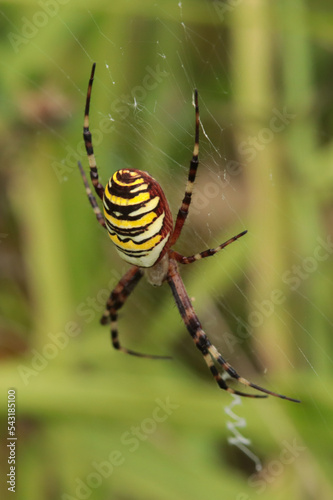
(139, 222)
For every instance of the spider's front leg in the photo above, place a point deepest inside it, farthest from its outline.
(184, 208)
(209, 351)
(91, 198)
(87, 137)
(116, 300)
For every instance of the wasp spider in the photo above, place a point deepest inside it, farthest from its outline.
(139, 222)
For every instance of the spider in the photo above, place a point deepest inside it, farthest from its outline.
(139, 222)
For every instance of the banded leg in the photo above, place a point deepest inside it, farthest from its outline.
(183, 211)
(116, 301)
(206, 253)
(209, 352)
(88, 140)
(232, 372)
(91, 198)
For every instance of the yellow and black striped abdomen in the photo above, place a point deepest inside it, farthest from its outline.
(137, 217)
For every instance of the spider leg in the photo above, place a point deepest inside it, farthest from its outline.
(233, 374)
(206, 253)
(88, 140)
(183, 211)
(91, 198)
(208, 350)
(116, 300)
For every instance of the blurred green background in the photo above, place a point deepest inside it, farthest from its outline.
(92, 422)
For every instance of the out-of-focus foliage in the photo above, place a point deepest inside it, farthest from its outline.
(91, 422)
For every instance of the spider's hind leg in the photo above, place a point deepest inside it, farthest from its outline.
(216, 356)
(220, 379)
(116, 300)
(211, 355)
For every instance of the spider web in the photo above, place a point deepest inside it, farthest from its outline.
(183, 73)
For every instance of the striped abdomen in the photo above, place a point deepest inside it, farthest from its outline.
(137, 217)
